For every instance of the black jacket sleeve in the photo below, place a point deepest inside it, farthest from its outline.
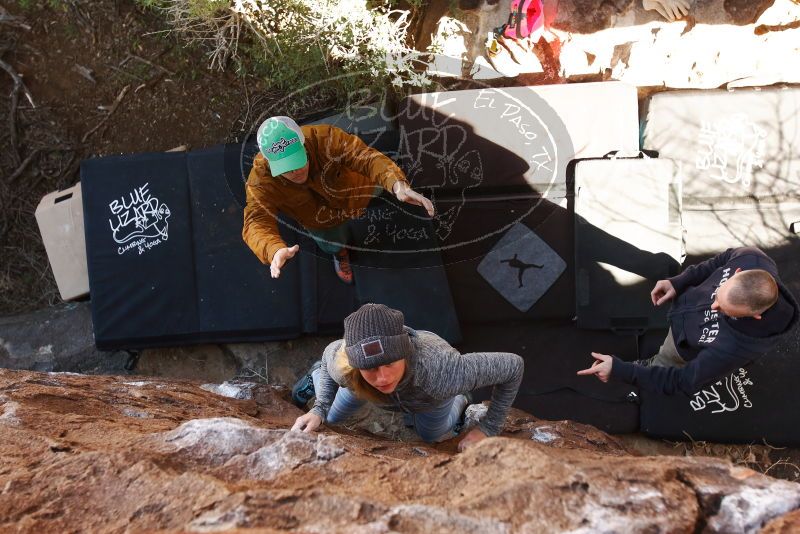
(695, 274)
(709, 365)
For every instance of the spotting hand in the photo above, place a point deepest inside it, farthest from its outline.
(280, 257)
(404, 193)
(601, 367)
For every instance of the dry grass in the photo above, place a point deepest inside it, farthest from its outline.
(779, 462)
(211, 24)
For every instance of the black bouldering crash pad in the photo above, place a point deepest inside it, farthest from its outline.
(397, 261)
(628, 235)
(554, 351)
(753, 404)
(478, 225)
(167, 263)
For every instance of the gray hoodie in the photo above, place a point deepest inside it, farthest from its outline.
(435, 373)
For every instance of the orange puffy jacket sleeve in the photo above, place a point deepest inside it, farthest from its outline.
(351, 152)
(260, 230)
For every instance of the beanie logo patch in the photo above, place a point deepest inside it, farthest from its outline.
(373, 349)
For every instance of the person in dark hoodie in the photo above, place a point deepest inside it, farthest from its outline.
(727, 312)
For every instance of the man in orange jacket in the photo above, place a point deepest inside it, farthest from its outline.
(320, 176)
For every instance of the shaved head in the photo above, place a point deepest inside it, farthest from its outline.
(755, 290)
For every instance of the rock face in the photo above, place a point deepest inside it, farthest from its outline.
(786, 524)
(114, 454)
(721, 42)
(55, 339)
(586, 16)
(60, 339)
(746, 11)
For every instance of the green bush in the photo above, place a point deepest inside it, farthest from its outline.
(334, 46)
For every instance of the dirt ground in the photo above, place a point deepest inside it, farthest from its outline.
(103, 77)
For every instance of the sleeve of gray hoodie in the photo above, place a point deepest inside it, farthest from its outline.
(454, 373)
(326, 392)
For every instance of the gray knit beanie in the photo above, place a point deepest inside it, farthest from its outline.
(374, 336)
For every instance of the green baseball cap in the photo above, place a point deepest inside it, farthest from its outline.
(281, 140)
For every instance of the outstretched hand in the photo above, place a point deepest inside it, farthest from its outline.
(662, 292)
(601, 367)
(281, 257)
(404, 193)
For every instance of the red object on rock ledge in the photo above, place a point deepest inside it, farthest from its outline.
(526, 20)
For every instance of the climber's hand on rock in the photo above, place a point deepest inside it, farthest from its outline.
(307, 423)
(473, 436)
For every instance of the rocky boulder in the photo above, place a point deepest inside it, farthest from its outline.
(57, 339)
(720, 42)
(61, 339)
(134, 454)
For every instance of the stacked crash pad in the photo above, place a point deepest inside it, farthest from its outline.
(167, 264)
(738, 154)
(512, 140)
(494, 158)
(628, 235)
(496, 164)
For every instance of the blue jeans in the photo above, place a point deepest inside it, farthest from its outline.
(432, 426)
